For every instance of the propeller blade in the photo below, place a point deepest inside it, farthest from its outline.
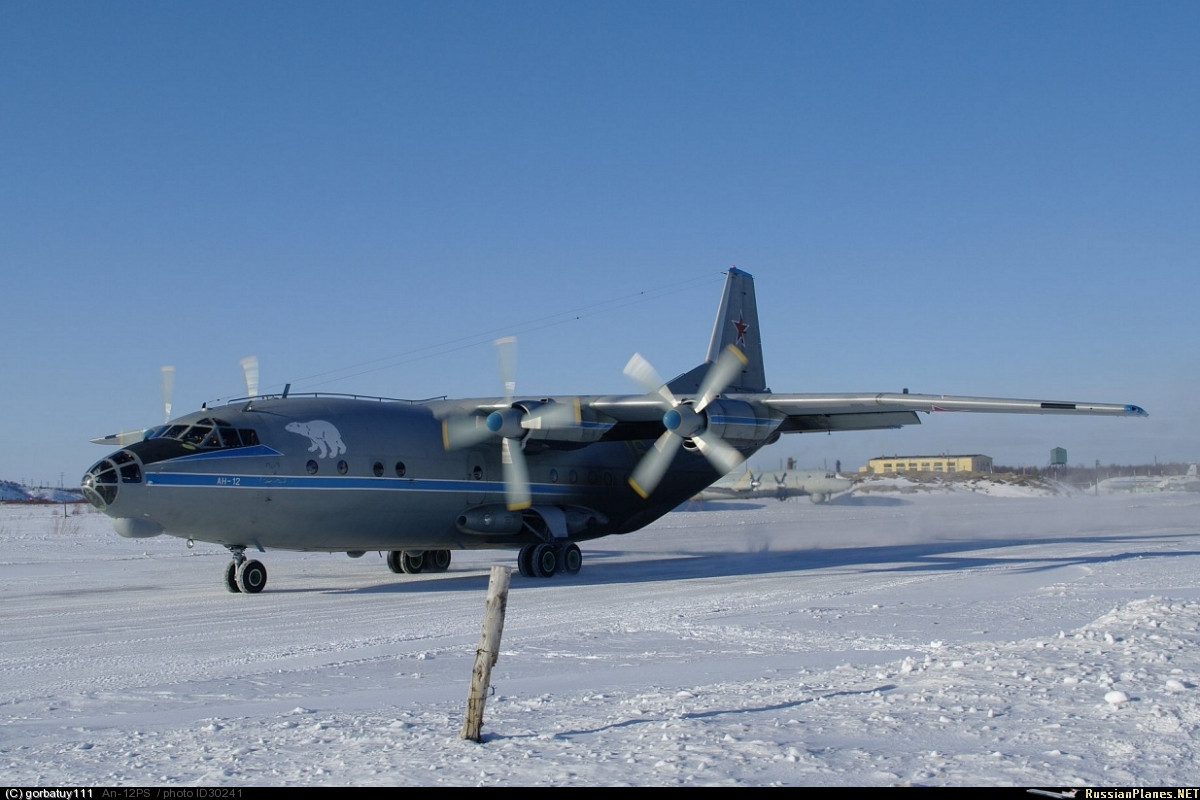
(168, 388)
(250, 370)
(650, 470)
(719, 454)
(729, 363)
(648, 378)
(516, 475)
(120, 439)
(506, 353)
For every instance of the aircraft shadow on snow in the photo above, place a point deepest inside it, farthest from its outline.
(933, 556)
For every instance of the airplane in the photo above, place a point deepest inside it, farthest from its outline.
(420, 479)
(737, 484)
(1132, 483)
(818, 485)
(1188, 482)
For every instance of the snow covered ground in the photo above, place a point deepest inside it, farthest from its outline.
(948, 638)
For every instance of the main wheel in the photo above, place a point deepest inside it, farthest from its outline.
(545, 561)
(412, 561)
(251, 577)
(438, 560)
(525, 561)
(393, 561)
(572, 559)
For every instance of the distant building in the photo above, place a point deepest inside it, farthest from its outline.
(893, 465)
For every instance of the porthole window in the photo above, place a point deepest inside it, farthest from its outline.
(573, 476)
(377, 468)
(554, 476)
(343, 467)
(311, 466)
(477, 473)
(400, 469)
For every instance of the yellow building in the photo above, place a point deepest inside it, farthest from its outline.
(893, 465)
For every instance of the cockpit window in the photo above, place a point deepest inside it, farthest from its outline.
(196, 434)
(210, 434)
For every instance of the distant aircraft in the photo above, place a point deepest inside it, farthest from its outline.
(1131, 483)
(419, 479)
(735, 485)
(819, 485)
(1188, 482)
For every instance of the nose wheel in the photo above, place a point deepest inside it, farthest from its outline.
(244, 576)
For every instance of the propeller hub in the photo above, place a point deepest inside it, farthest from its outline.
(506, 423)
(683, 421)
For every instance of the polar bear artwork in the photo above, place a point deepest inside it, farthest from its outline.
(323, 437)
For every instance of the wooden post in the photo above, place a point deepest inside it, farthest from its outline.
(487, 653)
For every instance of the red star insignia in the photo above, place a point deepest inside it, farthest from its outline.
(742, 327)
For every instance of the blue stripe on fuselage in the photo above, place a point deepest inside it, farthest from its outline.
(195, 480)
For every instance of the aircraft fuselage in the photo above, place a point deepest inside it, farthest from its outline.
(327, 473)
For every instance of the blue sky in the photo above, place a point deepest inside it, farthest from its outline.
(962, 198)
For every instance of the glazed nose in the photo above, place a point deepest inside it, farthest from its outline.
(101, 482)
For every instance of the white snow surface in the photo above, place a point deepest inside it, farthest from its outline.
(939, 638)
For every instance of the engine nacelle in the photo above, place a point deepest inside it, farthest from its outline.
(136, 528)
(490, 520)
(738, 422)
(567, 422)
(558, 521)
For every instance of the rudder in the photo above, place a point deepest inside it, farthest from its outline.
(736, 324)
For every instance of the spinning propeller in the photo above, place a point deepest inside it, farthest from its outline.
(512, 424)
(684, 420)
(249, 370)
(168, 389)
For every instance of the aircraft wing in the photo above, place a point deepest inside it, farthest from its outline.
(626, 417)
(851, 412)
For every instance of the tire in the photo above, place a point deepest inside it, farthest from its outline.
(393, 561)
(525, 561)
(251, 577)
(231, 577)
(437, 560)
(572, 559)
(412, 561)
(545, 561)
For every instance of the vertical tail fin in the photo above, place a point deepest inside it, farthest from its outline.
(737, 325)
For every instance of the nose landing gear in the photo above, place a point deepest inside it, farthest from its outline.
(242, 575)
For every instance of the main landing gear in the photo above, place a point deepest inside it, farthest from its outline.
(244, 575)
(413, 561)
(544, 560)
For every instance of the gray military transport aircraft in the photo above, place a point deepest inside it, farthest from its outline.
(419, 479)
